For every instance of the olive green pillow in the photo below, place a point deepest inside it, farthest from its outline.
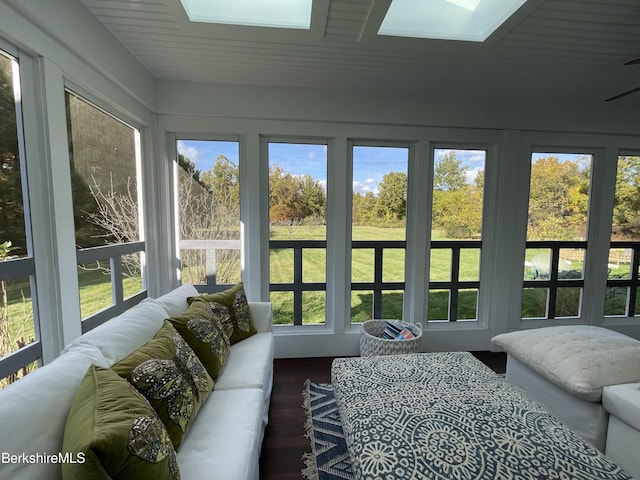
(170, 375)
(206, 327)
(236, 301)
(117, 433)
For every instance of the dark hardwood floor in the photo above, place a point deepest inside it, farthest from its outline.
(284, 441)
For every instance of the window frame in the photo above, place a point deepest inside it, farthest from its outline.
(378, 285)
(11, 269)
(298, 287)
(172, 150)
(554, 283)
(454, 285)
(114, 252)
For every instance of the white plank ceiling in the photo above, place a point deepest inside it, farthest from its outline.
(571, 49)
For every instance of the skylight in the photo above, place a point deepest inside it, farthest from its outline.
(258, 13)
(470, 20)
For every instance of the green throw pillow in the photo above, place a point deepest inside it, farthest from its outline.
(117, 433)
(206, 327)
(170, 375)
(236, 301)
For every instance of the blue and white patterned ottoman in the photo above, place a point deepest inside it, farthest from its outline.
(448, 416)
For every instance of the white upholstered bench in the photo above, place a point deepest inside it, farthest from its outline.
(565, 368)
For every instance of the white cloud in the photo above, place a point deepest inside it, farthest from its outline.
(472, 174)
(191, 153)
(369, 185)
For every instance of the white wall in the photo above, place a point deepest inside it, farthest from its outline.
(362, 107)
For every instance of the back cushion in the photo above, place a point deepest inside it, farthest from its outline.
(124, 334)
(34, 410)
(175, 302)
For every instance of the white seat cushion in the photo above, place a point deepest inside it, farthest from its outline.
(35, 409)
(579, 358)
(224, 442)
(249, 364)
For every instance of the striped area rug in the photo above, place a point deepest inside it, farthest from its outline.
(329, 458)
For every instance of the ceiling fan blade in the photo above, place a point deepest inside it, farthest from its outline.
(623, 94)
(633, 62)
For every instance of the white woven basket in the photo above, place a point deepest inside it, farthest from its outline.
(372, 343)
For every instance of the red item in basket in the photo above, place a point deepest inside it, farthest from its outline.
(405, 334)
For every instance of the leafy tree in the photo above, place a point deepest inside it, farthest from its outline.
(312, 197)
(364, 208)
(448, 174)
(293, 199)
(392, 199)
(284, 195)
(626, 212)
(11, 204)
(557, 200)
(459, 212)
(189, 167)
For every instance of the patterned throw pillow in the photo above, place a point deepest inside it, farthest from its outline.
(204, 327)
(117, 431)
(235, 300)
(170, 375)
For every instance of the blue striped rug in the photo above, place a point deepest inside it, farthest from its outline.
(329, 459)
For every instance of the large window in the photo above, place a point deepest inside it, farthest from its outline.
(454, 269)
(556, 235)
(297, 232)
(379, 213)
(19, 339)
(104, 153)
(208, 184)
(624, 254)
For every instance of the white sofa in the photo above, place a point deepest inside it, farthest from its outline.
(223, 442)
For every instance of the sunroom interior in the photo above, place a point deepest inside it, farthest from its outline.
(542, 85)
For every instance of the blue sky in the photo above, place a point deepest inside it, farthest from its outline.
(370, 164)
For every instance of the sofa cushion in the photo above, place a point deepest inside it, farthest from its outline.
(168, 373)
(230, 427)
(122, 335)
(250, 364)
(175, 302)
(115, 433)
(578, 358)
(236, 301)
(35, 409)
(203, 328)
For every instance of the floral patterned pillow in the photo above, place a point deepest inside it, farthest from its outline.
(169, 374)
(115, 430)
(207, 327)
(235, 300)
